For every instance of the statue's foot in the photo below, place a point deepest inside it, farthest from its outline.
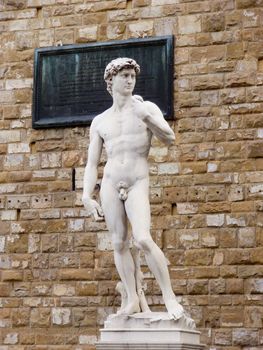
(130, 308)
(175, 310)
(190, 323)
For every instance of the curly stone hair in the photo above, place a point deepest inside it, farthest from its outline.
(117, 65)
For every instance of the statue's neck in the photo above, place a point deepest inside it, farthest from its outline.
(121, 102)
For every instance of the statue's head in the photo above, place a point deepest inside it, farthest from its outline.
(115, 66)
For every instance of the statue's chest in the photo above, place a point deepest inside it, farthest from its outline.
(121, 127)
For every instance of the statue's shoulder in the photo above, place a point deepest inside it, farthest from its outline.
(99, 118)
(152, 107)
(148, 104)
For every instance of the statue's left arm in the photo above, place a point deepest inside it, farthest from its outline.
(152, 116)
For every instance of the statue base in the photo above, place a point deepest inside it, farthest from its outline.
(148, 330)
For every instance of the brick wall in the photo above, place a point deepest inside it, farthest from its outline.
(57, 276)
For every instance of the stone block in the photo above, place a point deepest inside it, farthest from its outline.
(216, 220)
(232, 95)
(76, 225)
(11, 338)
(197, 194)
(188, 240)
(140, 29)
(87, 339)
(67, 260)
(253, 316)
(236, 220)
(236, 193)
(46, 37)
(234, 286)
(254, 285)
(49, 213)
(12, 275)
(212, 316)
(189, 24)
(18, 148)
(63, 200)
(197, 286)
(87, 34)
(84, 317)
(223, 336)
(217, 286)
(175, 194)
(257, 255)
(187, 208)
(197, 257)
(54, 226)
(8, 215)
(139, 3)
(49, 243)
(43, 175)
(216, 193)
(243, 337)
(4, 289)
(76, 274)
(41, 201)
(2, 244)
(168, 169)
(12, 84)
(7, 97)
(237, 256)
(243, 4)
(209, 239)
(61, 316)
(27, 338)
(41, 289)
(50, 160)
(123, 15)
(40, 317)
(86, 288)
(13, 162)
(165, 26)
(232, 316)
(106, 288)
(215, 207)
(16, 243)
(63, 290)
(20, 317)
(213, 22)
(246, 237)
(255, 149)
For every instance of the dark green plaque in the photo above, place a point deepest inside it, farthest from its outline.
(69, 89)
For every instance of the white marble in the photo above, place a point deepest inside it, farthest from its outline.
(126, 130)
(148, 330)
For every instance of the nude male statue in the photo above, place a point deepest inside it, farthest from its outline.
(126, 129)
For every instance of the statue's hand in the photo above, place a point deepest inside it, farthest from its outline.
(139, 108)
(93, 208)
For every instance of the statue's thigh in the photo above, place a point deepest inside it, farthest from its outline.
(138, 209)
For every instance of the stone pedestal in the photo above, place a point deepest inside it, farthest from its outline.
(148, 331)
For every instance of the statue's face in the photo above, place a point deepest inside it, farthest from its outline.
(124, 81)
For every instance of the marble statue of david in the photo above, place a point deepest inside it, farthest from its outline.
(126, 129)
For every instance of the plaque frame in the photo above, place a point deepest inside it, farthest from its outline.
(46, 116)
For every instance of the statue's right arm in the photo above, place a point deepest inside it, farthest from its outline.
(91, 172)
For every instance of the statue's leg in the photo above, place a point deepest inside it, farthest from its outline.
(138, 210)
(116, 221)
(139, 279)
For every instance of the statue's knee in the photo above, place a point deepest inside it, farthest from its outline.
(119, 245)
(145, 244)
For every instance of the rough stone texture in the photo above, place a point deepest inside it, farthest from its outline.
(57, 275)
